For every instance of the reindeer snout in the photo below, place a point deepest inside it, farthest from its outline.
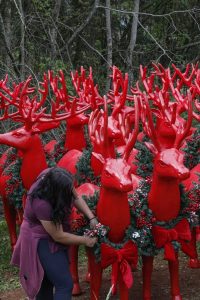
(126, 187)
(184, 174)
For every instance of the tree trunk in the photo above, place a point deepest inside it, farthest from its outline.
(22, 44)
(7, 45)
(133, 38)
(83, 25)
(109, 43)
(8, 32)
(53, 32)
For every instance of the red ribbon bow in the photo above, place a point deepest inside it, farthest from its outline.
(120, 259)
(181, 233)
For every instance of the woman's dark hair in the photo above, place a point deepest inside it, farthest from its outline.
(56, 187)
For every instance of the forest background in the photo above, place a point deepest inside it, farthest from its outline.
(36, 36)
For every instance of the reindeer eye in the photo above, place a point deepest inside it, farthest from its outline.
(167, 124)
(17, 133)
(107, 173)
(161, 163)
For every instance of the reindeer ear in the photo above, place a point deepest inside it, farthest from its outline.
(157, 113)
(97, 163)
(42, 127)
(151, 147)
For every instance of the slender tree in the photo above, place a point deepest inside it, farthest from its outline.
(133, 38)
(109, 42)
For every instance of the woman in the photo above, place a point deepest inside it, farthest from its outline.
(41, 250)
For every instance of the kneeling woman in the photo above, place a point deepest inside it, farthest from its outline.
(41, 251)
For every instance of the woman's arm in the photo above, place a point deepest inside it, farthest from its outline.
(82, 206)
(65, 238)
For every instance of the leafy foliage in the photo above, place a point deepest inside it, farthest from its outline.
(9, 276)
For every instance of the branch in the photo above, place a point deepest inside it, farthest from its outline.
(82, 26)
(188, 45)
(7, 47)
(109, 43)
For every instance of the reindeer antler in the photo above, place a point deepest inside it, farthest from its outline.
(147, 121)
(183, 132)
(86, 90)
(133, 136)
(29, 109)
(98, 128)
(119, 93)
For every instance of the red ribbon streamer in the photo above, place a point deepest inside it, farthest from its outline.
(180, 233)
(120, 259)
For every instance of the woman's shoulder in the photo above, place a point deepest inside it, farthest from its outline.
(42, 209)
(38, 203)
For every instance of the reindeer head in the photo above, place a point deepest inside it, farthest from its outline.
(166, 93)
(97, 120)
(115, 173)
(169, 164)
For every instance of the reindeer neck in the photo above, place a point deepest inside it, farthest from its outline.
(166, 142)
(111, 147)
(113, 211)
(75, 138)
(164, 198)
(33, 162)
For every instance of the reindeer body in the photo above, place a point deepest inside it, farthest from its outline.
(169, 170)
(113, 211)
(112, 208)
(164, 201)
(116, 183)
(75, 138)
(194, 263)
(194, 177)
(164, 195)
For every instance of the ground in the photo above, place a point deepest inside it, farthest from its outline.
(189, 281)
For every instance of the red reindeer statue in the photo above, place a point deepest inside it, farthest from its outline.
(189, 185)
(26, 139)
(168, 112)
(86, 94)
(113, 202)
(164, 200)
(96, 121)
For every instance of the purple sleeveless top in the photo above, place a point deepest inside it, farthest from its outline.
(31, 231)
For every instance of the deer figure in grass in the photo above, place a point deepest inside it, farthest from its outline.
(113, 202)
(87, 95)
(29, 111)
(96, 122)
(164, 198)
(166, 91)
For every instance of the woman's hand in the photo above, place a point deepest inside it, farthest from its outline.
(90, 242)
(93, 223)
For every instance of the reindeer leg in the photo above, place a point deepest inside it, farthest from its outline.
(10, 216)
(147, 272)
(174, 279)
(194, 262)
(123, 290)
(96, 276)
(19, 216)
(197, 230)
(88, 274)
(74, 269)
